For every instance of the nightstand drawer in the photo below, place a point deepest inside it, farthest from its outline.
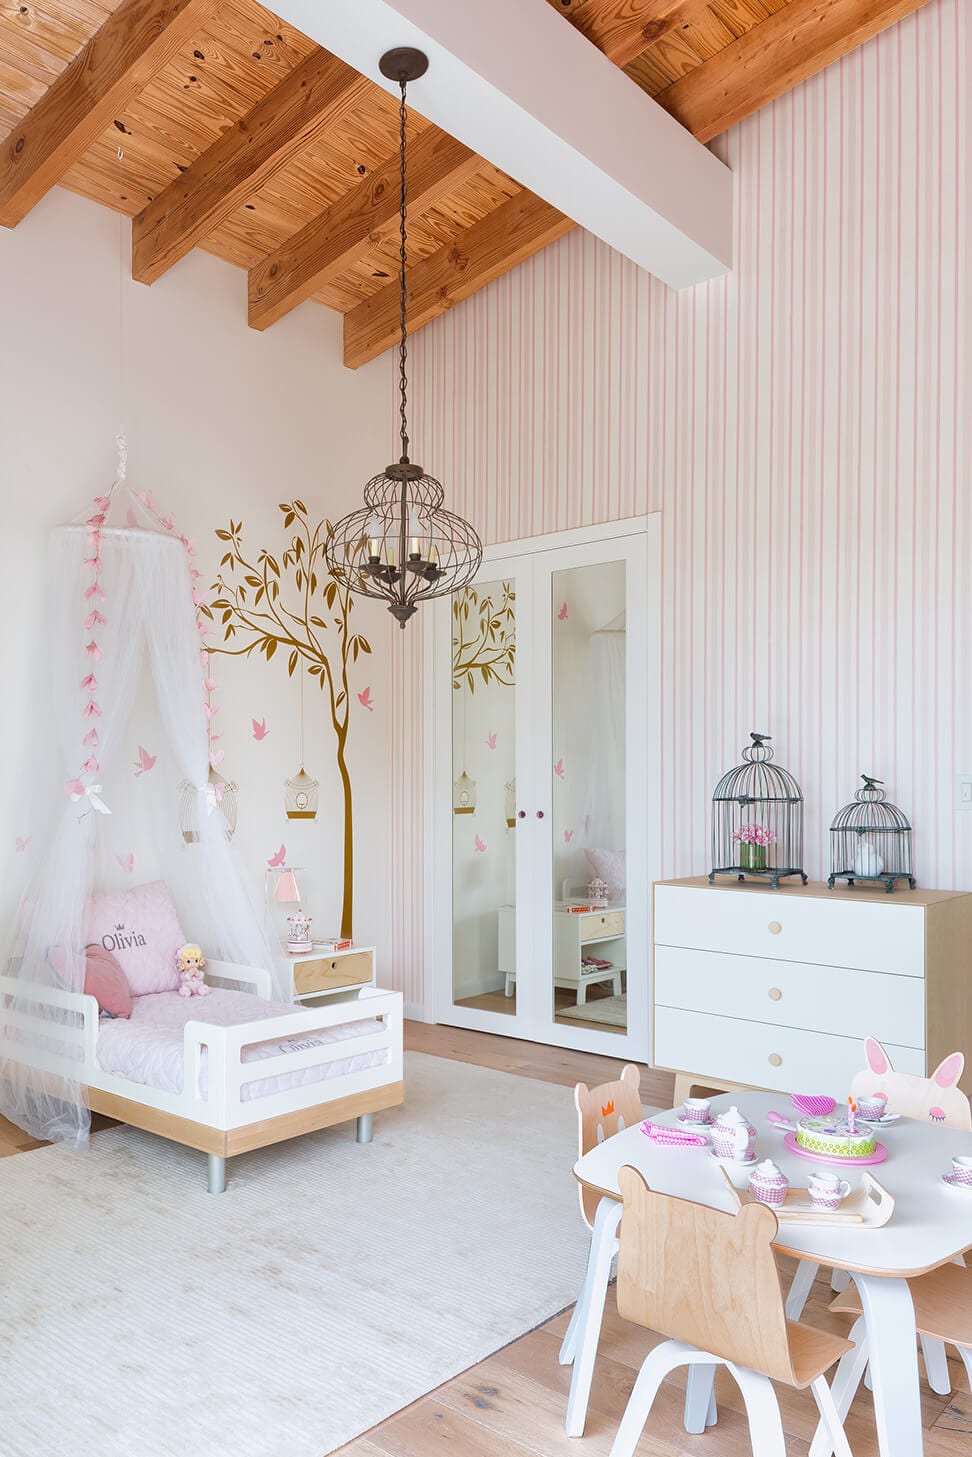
(766, 1057)
(867, 935)
(324, 973)
(599, 924)
(793, 994)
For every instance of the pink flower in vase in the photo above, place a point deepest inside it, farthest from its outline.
(753, 834)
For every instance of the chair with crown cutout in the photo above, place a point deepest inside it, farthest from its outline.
(602, 1112)
(708, 1281)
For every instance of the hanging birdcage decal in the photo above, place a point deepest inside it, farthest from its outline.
(219, 798)
(870, 839)
(757, 819)
(510, 804)
(464, 795)
(302, 796)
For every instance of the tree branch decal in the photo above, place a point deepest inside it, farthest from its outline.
(483, 638)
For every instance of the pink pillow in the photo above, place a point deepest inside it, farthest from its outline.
(140, 927)
(610, 867)
(103, 979)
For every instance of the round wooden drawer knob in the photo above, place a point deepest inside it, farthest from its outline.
(774, 1059)
(775, 994)
(774, 928)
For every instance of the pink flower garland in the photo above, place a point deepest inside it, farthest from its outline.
(94, 592)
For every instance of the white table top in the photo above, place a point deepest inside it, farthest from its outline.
(931, 1222)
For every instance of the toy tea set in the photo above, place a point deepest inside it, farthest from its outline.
(817, 1135)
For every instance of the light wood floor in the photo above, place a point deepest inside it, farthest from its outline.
(512, 1405)
(499, 1002)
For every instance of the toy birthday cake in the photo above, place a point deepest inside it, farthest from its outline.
(834, 1140)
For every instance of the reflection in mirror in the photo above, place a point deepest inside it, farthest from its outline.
(484, 815)
(588, 780)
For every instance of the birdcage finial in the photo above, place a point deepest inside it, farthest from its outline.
(757, 752)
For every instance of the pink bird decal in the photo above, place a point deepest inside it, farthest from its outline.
(216, 758)
(127, 862)
(559, 768)
(480, 845)
(22, 842)
(277, 860)
(260, 729)
(562, 612)
(568, 836)
(491, 741)
(144, 762)
(366, 700)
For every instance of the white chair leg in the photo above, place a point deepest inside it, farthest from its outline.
(569, 1343)
(603, 1245)
(762, 1411)
(847, 1379)
(700, 1407)
(830, 1417)
(965, 1354)
(839, 1280)
(936, 1365)
(655, 1367)
(806, 1273)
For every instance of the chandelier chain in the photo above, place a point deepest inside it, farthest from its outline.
(403, 345)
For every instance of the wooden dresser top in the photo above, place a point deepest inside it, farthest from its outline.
(818, 889)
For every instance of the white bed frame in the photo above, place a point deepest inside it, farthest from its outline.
(219, 1123)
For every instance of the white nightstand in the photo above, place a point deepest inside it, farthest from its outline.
(576, 935)
(313, 974)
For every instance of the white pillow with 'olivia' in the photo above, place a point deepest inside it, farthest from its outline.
(140, 926)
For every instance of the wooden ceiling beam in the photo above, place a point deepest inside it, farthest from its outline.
(437, 165)
(317, 93)
(134, 43)
(488, 249)
(623, 29)
(776, 55)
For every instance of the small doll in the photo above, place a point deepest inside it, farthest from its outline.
(191, 963)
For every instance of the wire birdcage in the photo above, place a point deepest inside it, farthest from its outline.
(757, 819)
(870, 839)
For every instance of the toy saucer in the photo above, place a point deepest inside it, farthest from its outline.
(954, 1183)
(881, 1122)
(877, 1157)
(738, 1163)
(700, 1123)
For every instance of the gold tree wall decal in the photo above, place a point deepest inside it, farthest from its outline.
(254, 611)
(483, 638)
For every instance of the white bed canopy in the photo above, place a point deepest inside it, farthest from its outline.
(126, 725)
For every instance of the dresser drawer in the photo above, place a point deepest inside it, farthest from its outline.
(788, 1058)
(864, 934)
(325, 973)
(793, 994)
(599, 924)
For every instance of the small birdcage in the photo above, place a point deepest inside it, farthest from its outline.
(219, 799)
(464, 795)
(870, 839)
(757, 819)
(302, 796)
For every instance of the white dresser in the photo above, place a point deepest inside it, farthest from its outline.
(778, 988)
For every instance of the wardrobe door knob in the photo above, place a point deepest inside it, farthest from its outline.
(774, 1059)
(775, 994)
(521, 814)
(774, 928)
(539, 814)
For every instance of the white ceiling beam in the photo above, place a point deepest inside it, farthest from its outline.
(520, 86)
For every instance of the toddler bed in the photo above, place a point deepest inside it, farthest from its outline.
(186, 1068)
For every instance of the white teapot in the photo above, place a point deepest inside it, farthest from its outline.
(733, 1136)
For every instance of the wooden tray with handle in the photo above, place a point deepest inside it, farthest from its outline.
(869, 1205)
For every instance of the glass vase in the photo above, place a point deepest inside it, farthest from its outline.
(752, 857)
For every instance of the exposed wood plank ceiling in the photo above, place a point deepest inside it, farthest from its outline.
(216, 125)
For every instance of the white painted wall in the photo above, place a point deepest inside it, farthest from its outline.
(220, 420)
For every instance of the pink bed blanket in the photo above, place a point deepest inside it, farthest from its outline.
(148, 1047)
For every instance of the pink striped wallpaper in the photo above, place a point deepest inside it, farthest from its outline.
(803, 425)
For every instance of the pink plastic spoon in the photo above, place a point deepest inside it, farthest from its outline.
(779, 1121)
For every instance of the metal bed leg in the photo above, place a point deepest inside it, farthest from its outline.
(363, 1131)
(216, 1182)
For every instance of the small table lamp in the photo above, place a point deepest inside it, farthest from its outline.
(282, 890)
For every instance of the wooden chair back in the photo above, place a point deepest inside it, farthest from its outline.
(602, 1112)
(698, 1275)
(937, 1099)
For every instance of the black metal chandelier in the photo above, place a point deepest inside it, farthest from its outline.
(402, 546)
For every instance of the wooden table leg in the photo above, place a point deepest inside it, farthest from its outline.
(591, 1312)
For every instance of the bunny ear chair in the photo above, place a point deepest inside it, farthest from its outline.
(126, 679)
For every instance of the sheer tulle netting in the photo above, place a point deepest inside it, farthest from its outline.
(127, 667)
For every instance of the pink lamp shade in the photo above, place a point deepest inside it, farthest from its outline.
(286, 888)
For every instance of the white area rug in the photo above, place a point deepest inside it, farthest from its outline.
(612, 1010)
(328, 1287)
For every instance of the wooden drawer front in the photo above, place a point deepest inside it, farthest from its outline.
(600, 924)
(740, 1052)
(872, 937)
(792, 994)
(328, 972)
